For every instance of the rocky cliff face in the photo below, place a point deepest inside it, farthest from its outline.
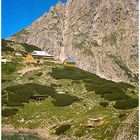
(101, 34)
(127, 130)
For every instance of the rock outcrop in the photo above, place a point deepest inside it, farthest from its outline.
(101, 34)
(128, 128)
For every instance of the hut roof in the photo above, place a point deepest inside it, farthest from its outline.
(70, 60)
(41, 53)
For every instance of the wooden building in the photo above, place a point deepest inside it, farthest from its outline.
(29, 58)
(38, 57)
(70, 62)
(93, 122)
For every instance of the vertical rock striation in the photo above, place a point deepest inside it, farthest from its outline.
(101, 34)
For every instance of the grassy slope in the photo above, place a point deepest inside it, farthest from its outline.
(10, 47)
(73, 96)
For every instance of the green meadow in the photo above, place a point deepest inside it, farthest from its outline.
(72, 96)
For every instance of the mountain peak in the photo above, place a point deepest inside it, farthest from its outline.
(103, 34)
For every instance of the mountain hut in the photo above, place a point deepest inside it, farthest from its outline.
(70, 62)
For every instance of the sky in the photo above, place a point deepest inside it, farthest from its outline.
(18, 14)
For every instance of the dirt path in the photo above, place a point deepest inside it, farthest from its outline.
(27, 69)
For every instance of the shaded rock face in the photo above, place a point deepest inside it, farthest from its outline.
(101, 34)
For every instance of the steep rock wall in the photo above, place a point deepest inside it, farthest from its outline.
(101, 34)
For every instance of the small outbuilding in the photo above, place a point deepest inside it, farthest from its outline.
(93, 122)
(29, 58)
(70, 62)
(18, 54)
(38, 97)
